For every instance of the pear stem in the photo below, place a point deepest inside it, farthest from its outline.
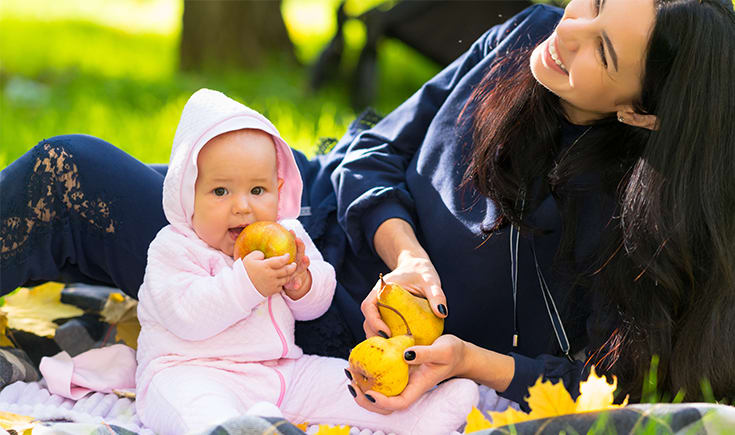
(380, 304)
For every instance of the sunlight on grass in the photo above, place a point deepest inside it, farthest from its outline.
(148, 16)
(109, 68)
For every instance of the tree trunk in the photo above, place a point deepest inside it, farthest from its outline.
(241, 33)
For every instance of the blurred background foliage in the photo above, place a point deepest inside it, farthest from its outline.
(110, 68)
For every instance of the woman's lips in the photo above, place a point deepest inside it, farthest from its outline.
(549, 59)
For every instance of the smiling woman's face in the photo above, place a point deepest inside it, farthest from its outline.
(594, 59)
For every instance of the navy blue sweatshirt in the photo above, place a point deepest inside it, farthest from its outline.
(411, 166)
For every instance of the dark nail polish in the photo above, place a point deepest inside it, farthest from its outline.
(442, 309)
(352, 391)
(348, 374)
(409, 355)
(370, 398)
(382, 334)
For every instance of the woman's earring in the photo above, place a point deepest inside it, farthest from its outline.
(620, 118)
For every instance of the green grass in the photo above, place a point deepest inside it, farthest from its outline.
(72, 75)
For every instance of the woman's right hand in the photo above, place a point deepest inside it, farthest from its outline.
(415, 274)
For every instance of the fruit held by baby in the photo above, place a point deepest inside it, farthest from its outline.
(270, 238)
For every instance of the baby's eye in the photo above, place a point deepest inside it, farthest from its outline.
(220, 191)
(257, 190)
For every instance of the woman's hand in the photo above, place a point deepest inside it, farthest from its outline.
(397, 245)
(429, 365)
(418, 276)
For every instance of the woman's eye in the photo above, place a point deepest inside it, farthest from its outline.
(602, 54)
(600, 48)
(220, 191)
(256, 190)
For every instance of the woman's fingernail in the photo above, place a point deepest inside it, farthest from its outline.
(348, 374)
(442, 309)
(352, 391)
(382, 334)
(409, 355)
(370, 398)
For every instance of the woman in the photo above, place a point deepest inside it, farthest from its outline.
(442, 186)
(644, 235)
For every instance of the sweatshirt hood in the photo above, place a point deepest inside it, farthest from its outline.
(208, 114)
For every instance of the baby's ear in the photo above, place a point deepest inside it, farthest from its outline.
(280, 184)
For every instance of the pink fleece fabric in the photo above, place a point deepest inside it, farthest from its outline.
(105, 369)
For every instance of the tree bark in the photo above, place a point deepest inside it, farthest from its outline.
(240, 33)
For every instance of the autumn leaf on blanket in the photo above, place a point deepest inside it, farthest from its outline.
(325, 429)
(303, 426)
(546, 399)
(476, 421)
(122, 311)
(21, 424)
(34, 310)
(4, 340)
(596, 394)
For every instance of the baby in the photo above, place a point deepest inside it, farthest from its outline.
(217, 334)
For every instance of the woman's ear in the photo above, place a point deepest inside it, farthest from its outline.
(635, 119)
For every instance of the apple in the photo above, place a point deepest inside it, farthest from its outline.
(268, 237)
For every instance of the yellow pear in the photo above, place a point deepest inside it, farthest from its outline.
(394, 301)
(377, 364)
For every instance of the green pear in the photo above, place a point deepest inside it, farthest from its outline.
(418, 319)
(377, 364)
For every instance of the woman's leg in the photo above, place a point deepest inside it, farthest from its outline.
(76, 209)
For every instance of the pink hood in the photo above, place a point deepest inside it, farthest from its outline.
(208, 114)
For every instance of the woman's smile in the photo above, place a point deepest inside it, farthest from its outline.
(553, 51)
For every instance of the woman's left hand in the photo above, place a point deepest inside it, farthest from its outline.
(430, 365)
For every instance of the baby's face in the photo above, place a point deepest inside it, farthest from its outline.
(236, 186)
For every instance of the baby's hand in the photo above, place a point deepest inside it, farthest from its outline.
(300, 282)
(268, 275)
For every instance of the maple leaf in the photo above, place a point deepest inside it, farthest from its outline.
(325, 429)
(33, 310)
(4, 340)
(596, 394)
(476, 421)
(509, 416)
(549, 400)
(21, 424)
(303, 426)
(122, 312)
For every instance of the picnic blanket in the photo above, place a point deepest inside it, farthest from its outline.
(105, 413)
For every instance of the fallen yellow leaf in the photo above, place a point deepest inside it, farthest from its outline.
(18, 423)
(596, 394)
(325, 429)
(4, 340)
(509, 416)
(476, 421)
(33, 310)
(303, 426)
(122, 311)
(548, 400)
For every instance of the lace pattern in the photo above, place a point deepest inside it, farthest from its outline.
(53, 190)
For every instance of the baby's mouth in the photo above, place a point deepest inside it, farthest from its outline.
(235, 231)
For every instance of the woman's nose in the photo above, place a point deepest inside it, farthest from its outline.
(572, 32)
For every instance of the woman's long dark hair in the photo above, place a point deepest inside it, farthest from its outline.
(666, 269)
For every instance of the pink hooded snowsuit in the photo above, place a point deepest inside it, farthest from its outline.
(211, 345)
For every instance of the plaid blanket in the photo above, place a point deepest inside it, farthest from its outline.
(685, 418)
